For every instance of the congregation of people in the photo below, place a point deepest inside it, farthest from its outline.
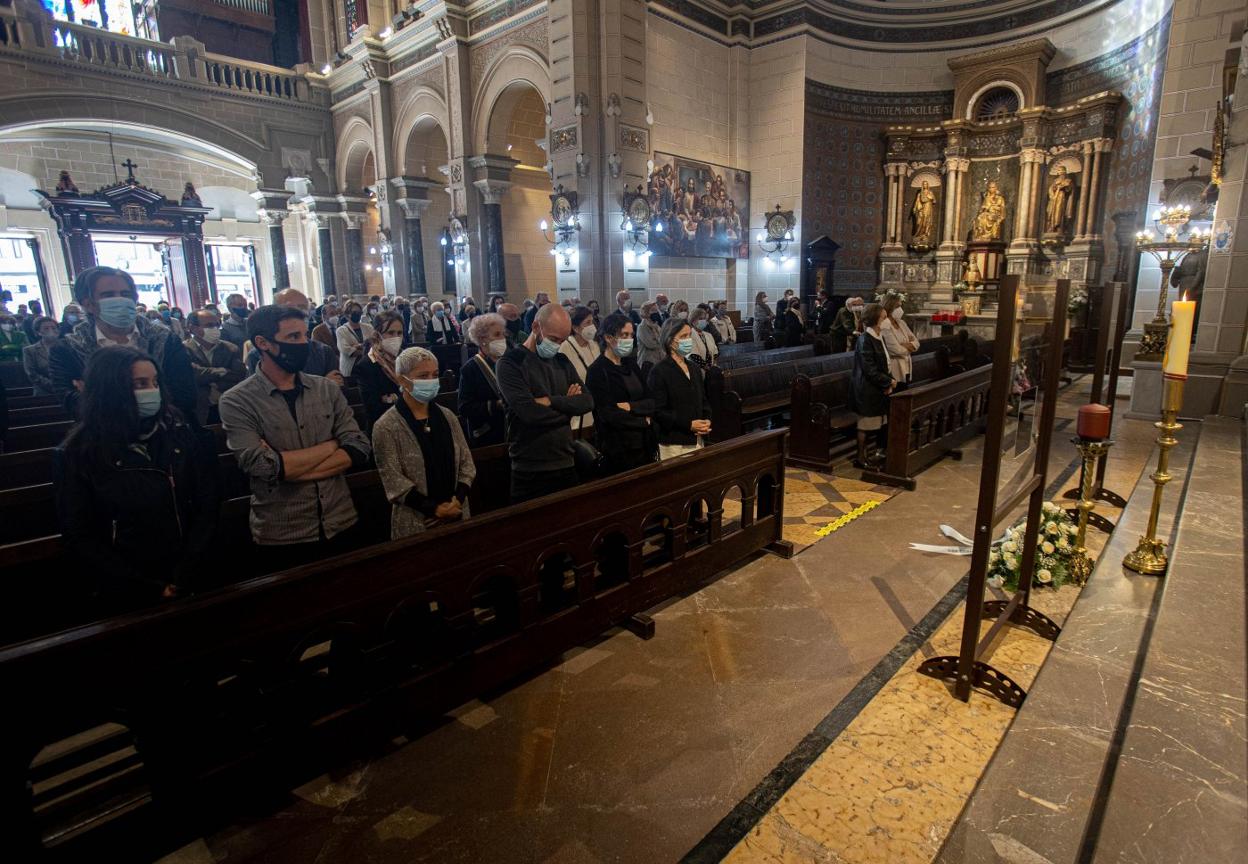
(572, 392)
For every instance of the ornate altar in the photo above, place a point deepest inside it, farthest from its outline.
(129, 208)
(1010, 185)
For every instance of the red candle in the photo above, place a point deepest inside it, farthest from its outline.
(1093, 422)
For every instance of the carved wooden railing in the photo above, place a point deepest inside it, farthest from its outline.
(930, 421)
(183, 59)
(179, 706)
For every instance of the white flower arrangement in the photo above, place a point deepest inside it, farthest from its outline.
(1053, 551)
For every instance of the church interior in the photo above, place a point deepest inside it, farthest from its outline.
(584, 431)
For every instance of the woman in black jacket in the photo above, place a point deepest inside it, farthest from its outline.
(680, 405)
(374, 372)
(871, 382)
(136, 488)
(481, 408)
(623, 406)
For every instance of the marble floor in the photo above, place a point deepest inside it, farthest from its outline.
(634, 750)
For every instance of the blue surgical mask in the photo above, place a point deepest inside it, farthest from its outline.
(702, 324)
(684, 347)
(148, 402)
(547, 349)
(425, 389)
(118, 312)
(624, 347)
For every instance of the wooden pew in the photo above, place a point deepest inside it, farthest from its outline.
(821, 425)
(19, 402)
(742, 398)
(765, 358)
(820, 420)
(930, 421)
(13, 376)
(34, 416)
(737, 348)
(32, 463)
(208, 695)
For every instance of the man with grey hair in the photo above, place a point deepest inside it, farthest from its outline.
(624, 305)
(542, 393)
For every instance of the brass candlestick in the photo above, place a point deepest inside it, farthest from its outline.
(1149, 557)
(1091, 451)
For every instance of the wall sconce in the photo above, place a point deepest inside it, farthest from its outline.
(561, 232)
(638, 222)
(454, 242)
(775, 238)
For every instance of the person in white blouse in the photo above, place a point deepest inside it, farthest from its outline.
(582, 349)
(899, 340)
(352, 337)
(704, 346)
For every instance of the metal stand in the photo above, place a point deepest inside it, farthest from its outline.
(970, 668)
(1091, 451)
(1149, 557)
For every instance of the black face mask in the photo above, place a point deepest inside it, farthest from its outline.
(291, 356)
(656, 317)
(514, 327)
(240, 311)
(355, 317)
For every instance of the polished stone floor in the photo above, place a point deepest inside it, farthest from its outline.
(634, 750)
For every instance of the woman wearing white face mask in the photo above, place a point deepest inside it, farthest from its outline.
(379, 384)
(704, 347)
(480, 402)
(899, 340)
(623, 405)
(422, 455)
(680, 407)
(582, 350)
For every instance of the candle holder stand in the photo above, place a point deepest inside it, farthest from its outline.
(1149, 557)
(1091, 451)
(1175, 244)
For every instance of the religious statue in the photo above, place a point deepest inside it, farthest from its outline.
(923, 218)
(1061, 205)
(990, 219)
(65, 186)
(190, 198)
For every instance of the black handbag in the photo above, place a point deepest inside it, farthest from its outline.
(589, 461)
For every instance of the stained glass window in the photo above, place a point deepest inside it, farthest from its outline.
(127, 17)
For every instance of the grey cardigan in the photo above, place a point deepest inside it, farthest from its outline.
(401, 465)
(648, 348)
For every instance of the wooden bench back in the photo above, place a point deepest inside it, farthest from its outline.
(219, 687)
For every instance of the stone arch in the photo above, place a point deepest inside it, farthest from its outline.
(423, 109)
(996, 79)
(354, 149)
(516, 66)
(36, 108)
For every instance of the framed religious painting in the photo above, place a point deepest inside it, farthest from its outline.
(704, 208)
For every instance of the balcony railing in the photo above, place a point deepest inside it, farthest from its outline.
(182, 60)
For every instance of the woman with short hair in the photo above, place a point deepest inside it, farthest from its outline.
(441, 329)
(649, 350)
(704, 347)
(422, 455)
(136, 488)
(582, 350)
(35, 357)
(680, 405)
(352, 337)
(481, 405)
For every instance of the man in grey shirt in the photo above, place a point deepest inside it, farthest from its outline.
(542, 393)
(295, 436)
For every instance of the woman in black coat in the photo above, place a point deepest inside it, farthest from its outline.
(481, 407)
(374, 372)
(136, 489)
(871, 383)
(623, 407)
(680, 406)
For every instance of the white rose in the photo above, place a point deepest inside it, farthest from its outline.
(1010, 546)
(1012, 563)
(1044, 577)
(1051, 527)
(1047, 547)
(1071, 530)
(1063, 543)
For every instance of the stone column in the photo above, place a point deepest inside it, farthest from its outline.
(465, 203)
(412, 196)
(1085, 181)
(493, 175)
(353, 215)
(321, 212)
(948, 228)
(1101, 146)
(895, 172)
(272, 211)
